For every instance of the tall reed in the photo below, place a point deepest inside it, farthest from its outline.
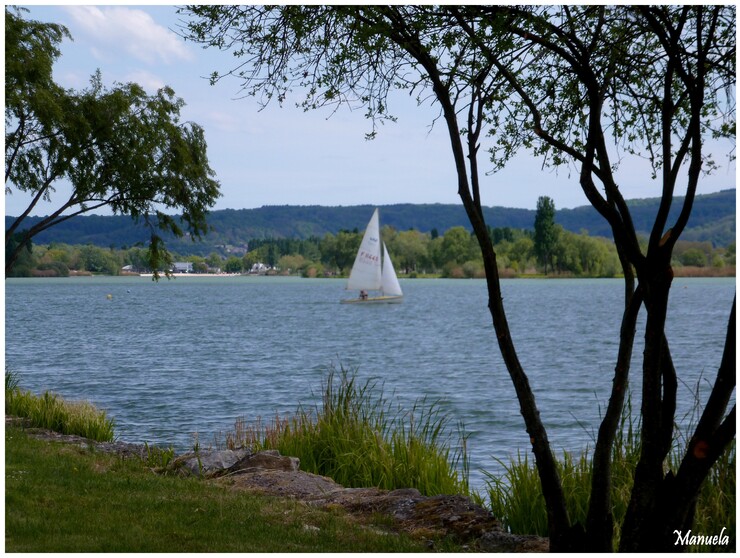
(54, 413)
(360, 439)
(516, 499)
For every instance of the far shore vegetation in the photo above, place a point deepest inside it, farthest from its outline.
(454, 254)
(356, 437)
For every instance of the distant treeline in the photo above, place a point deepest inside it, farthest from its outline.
(712, 220)
(452, 254)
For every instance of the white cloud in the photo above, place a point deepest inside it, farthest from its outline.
(223, 121)
(120, 29)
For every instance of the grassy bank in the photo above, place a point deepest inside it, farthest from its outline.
(54, 413)
(62, 498)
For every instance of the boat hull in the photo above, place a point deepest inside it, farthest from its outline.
(373, 300)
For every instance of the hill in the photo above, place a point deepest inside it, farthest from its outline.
(713, 219)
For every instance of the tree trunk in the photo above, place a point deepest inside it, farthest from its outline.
(709, 441)
(600, 521)
(662, 506)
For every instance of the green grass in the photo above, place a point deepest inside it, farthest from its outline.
(359, 439)
(716, 507)
(62, 498)
(54, 413)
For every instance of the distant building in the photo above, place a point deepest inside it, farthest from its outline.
(182, 267)
(259, 269)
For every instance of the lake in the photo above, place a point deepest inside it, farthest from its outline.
(169, 359)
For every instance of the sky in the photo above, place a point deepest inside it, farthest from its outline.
(285, 156)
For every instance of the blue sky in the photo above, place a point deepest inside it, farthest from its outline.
(284, 156)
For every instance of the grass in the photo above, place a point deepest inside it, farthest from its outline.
(359, 439)
(516, 497)
(66, 499)
(63, 498)
(54, 413)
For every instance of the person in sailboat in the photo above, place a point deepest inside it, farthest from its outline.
(363, 295)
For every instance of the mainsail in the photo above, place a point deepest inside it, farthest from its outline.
(370, 272)
(366, 271)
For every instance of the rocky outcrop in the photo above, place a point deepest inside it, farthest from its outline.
(421, 516)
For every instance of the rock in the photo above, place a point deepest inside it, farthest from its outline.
(268, 460)
(297, 485)
(207, 463)
(219, 463)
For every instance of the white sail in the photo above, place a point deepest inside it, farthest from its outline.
(366, 271)
(390, 284)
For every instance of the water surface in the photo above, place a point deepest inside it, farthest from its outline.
(173, 358)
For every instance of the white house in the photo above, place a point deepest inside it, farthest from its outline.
(182, 267)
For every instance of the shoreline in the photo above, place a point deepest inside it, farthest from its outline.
(685, 272)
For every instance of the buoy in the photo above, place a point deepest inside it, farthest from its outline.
(109, 297)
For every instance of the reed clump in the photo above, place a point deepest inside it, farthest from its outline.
(360, 439)
(50, 411)
(516, 497)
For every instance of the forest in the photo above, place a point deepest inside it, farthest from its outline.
(454, 254)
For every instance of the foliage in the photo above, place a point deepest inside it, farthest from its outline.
(119, 147)
(545, 233)
(157, 457)
(12, 380)
(360, 440)
(413, 252)
(23, 255)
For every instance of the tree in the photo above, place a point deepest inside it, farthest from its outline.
(577, 85)
(339, 251)
(409, 248)
(99, 260)
(23, 256)
(233, 265)
(650, 75)
(456, 245)
(292, 263)
(545, 233)
(214, 261)
(118, 148)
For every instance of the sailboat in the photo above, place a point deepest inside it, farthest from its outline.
(370, 273)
